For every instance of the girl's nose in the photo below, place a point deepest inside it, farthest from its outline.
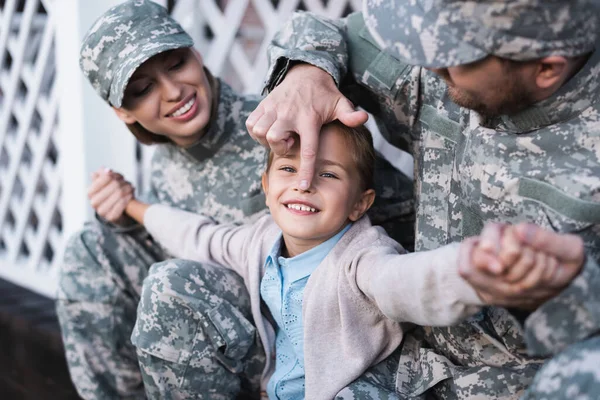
(310, 189)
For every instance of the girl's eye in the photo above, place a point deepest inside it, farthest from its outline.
(287, 169)
(328, 175)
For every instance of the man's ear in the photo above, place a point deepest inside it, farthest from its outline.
(265, 186)
(552, 72)
(124, 116)
(362, 205)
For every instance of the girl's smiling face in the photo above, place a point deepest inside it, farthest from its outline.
(335, 198)
(169, 95)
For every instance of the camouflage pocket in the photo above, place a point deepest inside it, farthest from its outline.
(232, 336)
(565, 213)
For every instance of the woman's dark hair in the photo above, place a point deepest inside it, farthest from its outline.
(144, 136)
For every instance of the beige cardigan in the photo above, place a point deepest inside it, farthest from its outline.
(352, 300)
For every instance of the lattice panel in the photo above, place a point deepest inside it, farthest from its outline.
(30, 218)
(233, 35)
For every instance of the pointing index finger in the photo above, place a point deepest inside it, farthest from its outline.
(309, 145)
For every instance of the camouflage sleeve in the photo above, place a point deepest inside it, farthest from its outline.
(311, 39)
(570, 317)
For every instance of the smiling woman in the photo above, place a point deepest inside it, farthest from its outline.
(203, 161)
(170, 95)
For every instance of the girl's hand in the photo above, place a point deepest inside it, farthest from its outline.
(109, 194)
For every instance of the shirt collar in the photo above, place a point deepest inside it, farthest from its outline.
(579, 93)
(215, 135)
(302, 265)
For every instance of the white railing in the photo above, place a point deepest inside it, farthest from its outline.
(55, 131)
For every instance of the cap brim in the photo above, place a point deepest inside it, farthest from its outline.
(138, 56)
(418, 37)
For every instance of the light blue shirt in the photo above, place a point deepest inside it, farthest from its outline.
(282, 288)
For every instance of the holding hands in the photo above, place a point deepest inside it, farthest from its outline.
(109, 194)
(520, 266)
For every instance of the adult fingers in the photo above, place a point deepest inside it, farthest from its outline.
(534, 267)
(523, 266)
(491, 237)
(565, 247)
(309, 144)
(262, 125)
(99, 181)
(550, 271)
(255, 116)
(280, 138)
(105, 192)
(493, 290)
(346, 113)
(102, 178)
(116, 212)
(482, 260)
(510, 248)
(113, 200)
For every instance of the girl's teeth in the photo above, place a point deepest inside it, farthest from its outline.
(186, 107)
(300, 207)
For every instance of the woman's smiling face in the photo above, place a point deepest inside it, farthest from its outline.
(170, 95)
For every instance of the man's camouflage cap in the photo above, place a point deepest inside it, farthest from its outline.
(122, 39)
(444, 33)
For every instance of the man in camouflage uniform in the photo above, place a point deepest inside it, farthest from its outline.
(535, 160)
(105, 264)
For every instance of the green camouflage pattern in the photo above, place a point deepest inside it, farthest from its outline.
(541, 165)
(122, 39)
(572, 374)
(101, 278)
(195, 334)
(444, 33)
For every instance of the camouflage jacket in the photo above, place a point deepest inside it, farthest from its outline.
(220, 175)
(541, 165)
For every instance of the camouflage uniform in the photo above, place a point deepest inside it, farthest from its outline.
(104, 265)
(541, 165)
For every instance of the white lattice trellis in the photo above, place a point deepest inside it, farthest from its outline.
(44, 165)
(30, 217)
(233, 35)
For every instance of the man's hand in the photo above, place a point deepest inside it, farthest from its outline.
(303, 102)
(109, 194)
(521, 266)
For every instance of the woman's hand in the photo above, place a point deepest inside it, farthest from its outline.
(109, 194)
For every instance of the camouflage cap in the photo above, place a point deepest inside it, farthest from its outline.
(443, 33)
(122, 39)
